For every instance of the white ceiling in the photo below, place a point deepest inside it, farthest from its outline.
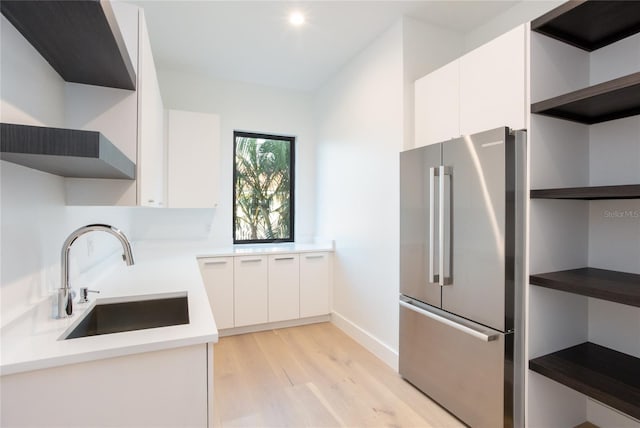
(252, 41)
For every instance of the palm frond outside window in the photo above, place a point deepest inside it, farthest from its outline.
(263, 197)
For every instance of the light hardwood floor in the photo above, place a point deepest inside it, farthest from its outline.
(313, 375)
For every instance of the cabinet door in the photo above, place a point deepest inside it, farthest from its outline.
(437, 106)
(284, 287)
(492, 84)
(250, 290)
(150, 175)
(314, 284)
(217, 273)
(193, 159)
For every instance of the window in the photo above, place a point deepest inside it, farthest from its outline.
(263, 188)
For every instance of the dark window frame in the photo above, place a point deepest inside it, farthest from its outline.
(292, 174)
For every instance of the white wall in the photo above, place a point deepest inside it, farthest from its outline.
(34, 219)
(32, 93)
(256, 108)
(359, 115)
(524, 11)
(364, 116)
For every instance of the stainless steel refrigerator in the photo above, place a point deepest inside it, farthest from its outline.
(461, 275)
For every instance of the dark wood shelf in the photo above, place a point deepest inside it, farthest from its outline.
(625, 191)
(64, 152)
(80, 39)
(620, 287)
(590, 25)
(609, 376)
(610, 100)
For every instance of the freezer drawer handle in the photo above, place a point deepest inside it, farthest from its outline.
(470, 331)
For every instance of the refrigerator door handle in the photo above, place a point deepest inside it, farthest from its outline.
(451, 323)
(432, 277)
(443, 172)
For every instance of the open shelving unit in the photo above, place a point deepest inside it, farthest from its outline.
(573, 149)
(80, 39)
(626, 191)
(615, 99)
(64, 152)
(620, 287)
(609, 376)
(590, 25)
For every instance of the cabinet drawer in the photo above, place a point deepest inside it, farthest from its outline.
(461, 372)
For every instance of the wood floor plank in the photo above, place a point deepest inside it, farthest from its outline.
(313, 376)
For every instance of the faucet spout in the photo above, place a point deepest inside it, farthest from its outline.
(65, 299)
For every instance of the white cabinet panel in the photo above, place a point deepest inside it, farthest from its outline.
(250, 290)
(152, 389)
(314, 284)
(284, 287)
(217, 274)
(492, 84)
(150, 174)
(437, 105)
(193, 159)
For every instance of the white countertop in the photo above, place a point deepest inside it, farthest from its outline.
(263, 249)
(31, 342)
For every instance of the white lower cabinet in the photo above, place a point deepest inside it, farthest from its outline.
(284, 287)
(169, 387)
(217, 273)
(314, 284)
(259, 289)
(250, 290)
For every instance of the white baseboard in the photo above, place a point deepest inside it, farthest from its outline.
(272, 325)
(366, 339)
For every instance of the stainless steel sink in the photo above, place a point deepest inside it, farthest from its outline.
(116, 317)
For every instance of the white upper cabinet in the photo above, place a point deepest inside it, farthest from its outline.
(150, 127)
(437, 105)
(193, 159)
(482, 90)
(493, 84)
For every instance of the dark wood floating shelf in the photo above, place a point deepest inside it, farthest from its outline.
(620, 287)
(625, 191)
(590, 25)
(64, 152)
(610, 100)
(609, 376)
(80, 39)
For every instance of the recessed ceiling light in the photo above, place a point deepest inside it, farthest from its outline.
(296, 19)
